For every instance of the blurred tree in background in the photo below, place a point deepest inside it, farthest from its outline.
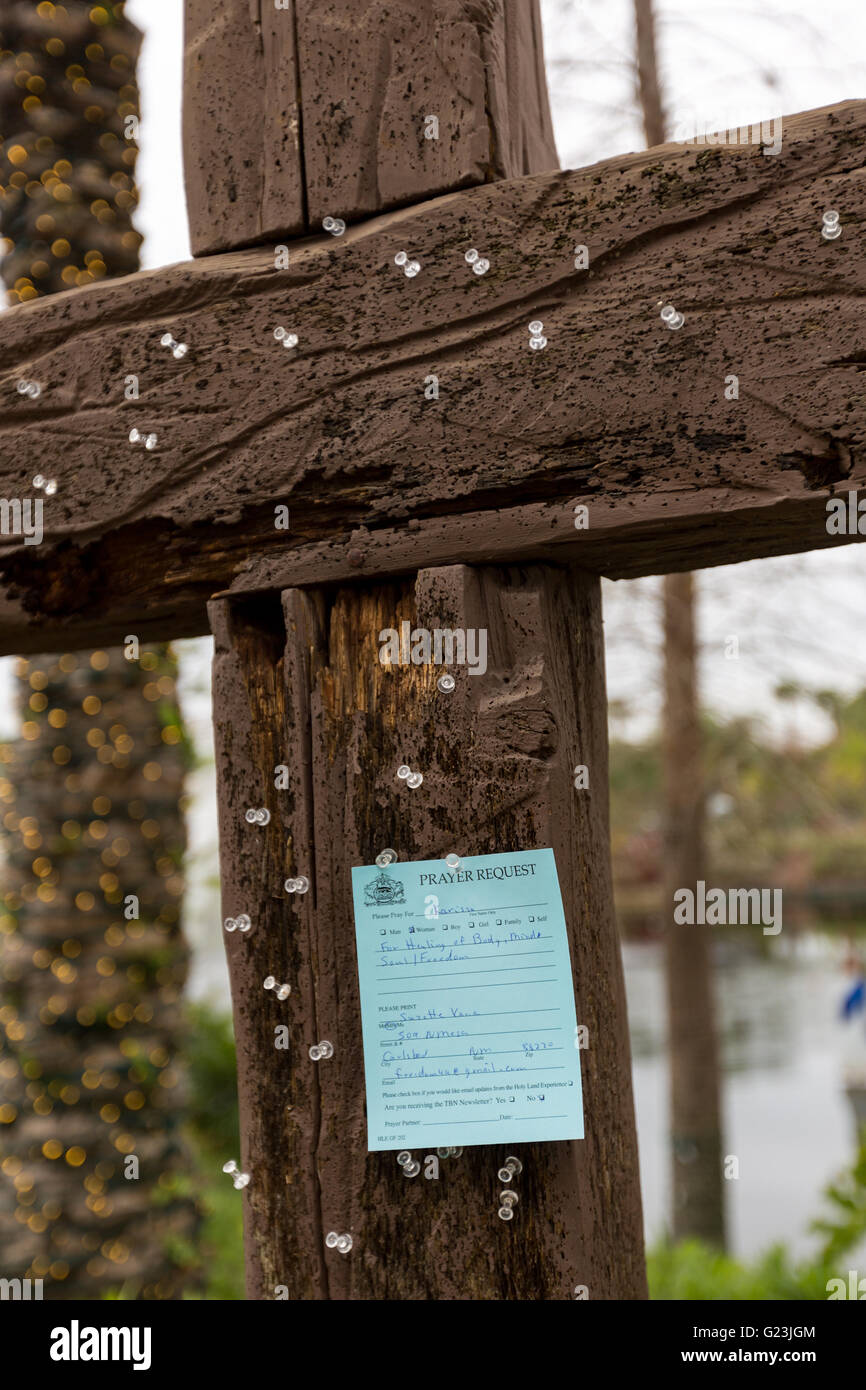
(92, 960)
(790, 816)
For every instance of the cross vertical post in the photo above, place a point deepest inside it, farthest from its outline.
(298, 685)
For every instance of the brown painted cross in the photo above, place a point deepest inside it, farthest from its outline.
(451, 510)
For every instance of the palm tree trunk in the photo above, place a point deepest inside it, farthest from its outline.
(93, 1192)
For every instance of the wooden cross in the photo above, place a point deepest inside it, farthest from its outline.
(450, 503)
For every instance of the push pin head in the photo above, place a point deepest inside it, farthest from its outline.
(671, 318)
(452, 860)
(414, 779)
(831, 228)
(150, 442)
(288, 340)
(283, 991)
(386, 857)
(404, 1157)
(321, 1050)
(446, 684)
(537, 340)
(39, 481)
(297, 885)
(410, 268)
(238, 1178)
(343, 1243)
(478, 263)
(50, 488)
(512, 1168)
(335, 225)
(506, 1213)
(244, 922)
(411, 1170)
(404, 772)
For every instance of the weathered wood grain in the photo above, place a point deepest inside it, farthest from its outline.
(318, 109)
(306, 689)
(617, 412)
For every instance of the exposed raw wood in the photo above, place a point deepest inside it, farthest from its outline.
(329, 116)
(306, 689)
(617, 412)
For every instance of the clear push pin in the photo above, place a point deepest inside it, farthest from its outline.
(238, 1178)
(386, 857)
(50, 488)
(478, 263)
(297, 885)
(321, 1050)
(452, 860)
(39, 481)
(414, 779)
(671, 318)
(288, 340)
(343, 1243)
(511, 1168)
(537, 340)
(404, 772)
(335, 225)
(831, 228)
(29, 388)
(148, 440)
(178, 350)
(446, 684)
(257, 815)
(282, 991)
(409, 268)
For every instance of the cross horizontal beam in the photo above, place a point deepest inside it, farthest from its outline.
(617, 413)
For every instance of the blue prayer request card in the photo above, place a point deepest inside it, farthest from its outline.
(467, 1002)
